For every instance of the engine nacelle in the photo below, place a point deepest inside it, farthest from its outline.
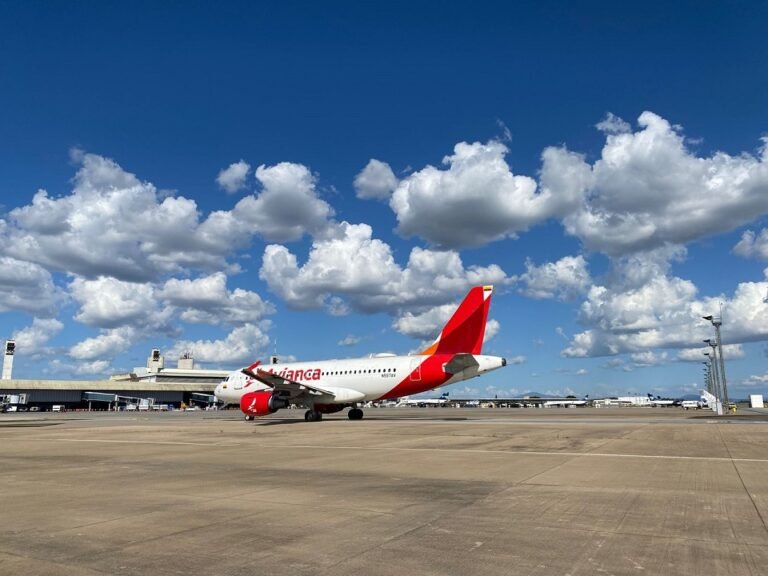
(261, 403)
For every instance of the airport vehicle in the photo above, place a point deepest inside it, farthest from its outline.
(329, 386)
(691, 404)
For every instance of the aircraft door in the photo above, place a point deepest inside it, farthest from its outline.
(416, 369)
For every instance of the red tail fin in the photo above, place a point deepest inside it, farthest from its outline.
(465, 330)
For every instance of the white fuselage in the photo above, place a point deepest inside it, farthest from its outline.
(361, 379)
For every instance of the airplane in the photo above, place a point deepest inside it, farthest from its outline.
(328, 386)
(566, 403)
(659, 401)
(423, 402)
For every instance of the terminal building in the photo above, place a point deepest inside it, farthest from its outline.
(145, 387)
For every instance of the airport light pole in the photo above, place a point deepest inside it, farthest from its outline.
(717, 322)
(713, 370)
(707, 377)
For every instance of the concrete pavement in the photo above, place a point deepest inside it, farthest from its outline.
(405, 491)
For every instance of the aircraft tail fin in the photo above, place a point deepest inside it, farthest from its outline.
(465, 331)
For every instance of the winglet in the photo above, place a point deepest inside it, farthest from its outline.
(249, 371)
(465, 330)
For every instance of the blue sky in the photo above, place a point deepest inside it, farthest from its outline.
(329, 179)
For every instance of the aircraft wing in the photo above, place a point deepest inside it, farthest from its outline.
(289, 389)
(460, 362)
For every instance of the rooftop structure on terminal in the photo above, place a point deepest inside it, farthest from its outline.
(185, 371)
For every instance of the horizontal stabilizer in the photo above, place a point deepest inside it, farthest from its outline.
(460, 362)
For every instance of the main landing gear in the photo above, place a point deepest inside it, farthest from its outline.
(355, 414)
(313, 416)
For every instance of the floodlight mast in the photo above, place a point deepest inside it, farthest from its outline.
(717, 322)
(713, 370)
(708, 377)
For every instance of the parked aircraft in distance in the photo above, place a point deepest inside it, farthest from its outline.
(566, 403)
(329, 386)
(659, 401)
(422, 402)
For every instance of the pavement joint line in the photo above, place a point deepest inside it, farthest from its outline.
(401, 449)
(743, 484)
(157, 442)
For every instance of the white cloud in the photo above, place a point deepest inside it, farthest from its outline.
(349, 341)
(427, 324)
(33, 339)
(641, 307)
(730, 352)
(109, 303)
(206, 300)
(113, 224)
(612, 124)
(244, 344)
(232, 178)
(756, 381)
(376, 180)
(564, 279)
(288, 206)
(648, 190)
(477, 199)
(28, 287)
(108, 344)
(649, 358)
(350, 264)
(752, 246)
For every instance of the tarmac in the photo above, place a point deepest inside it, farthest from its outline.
(406, 491)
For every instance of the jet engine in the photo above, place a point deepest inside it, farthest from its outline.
(261, 403)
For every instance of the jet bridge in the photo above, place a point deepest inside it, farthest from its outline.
(127, 402)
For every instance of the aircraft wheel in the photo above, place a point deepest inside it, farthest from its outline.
(312, 416)
(248, 418)
(355, 414)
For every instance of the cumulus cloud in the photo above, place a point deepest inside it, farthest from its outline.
(478, 199)
(649, 358)
(753, 246)
(108, 344)
(32, 340)
(376, 181)
(564, 279)
(352, 265)
(648, 190)
(641, 307)
(426, 325)
(755, 381)
(244, 344)
(206, 300)
(232, 178)
(28, 287)
(113, 224)
(108, 303)
(288, 206)
(349, 341)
